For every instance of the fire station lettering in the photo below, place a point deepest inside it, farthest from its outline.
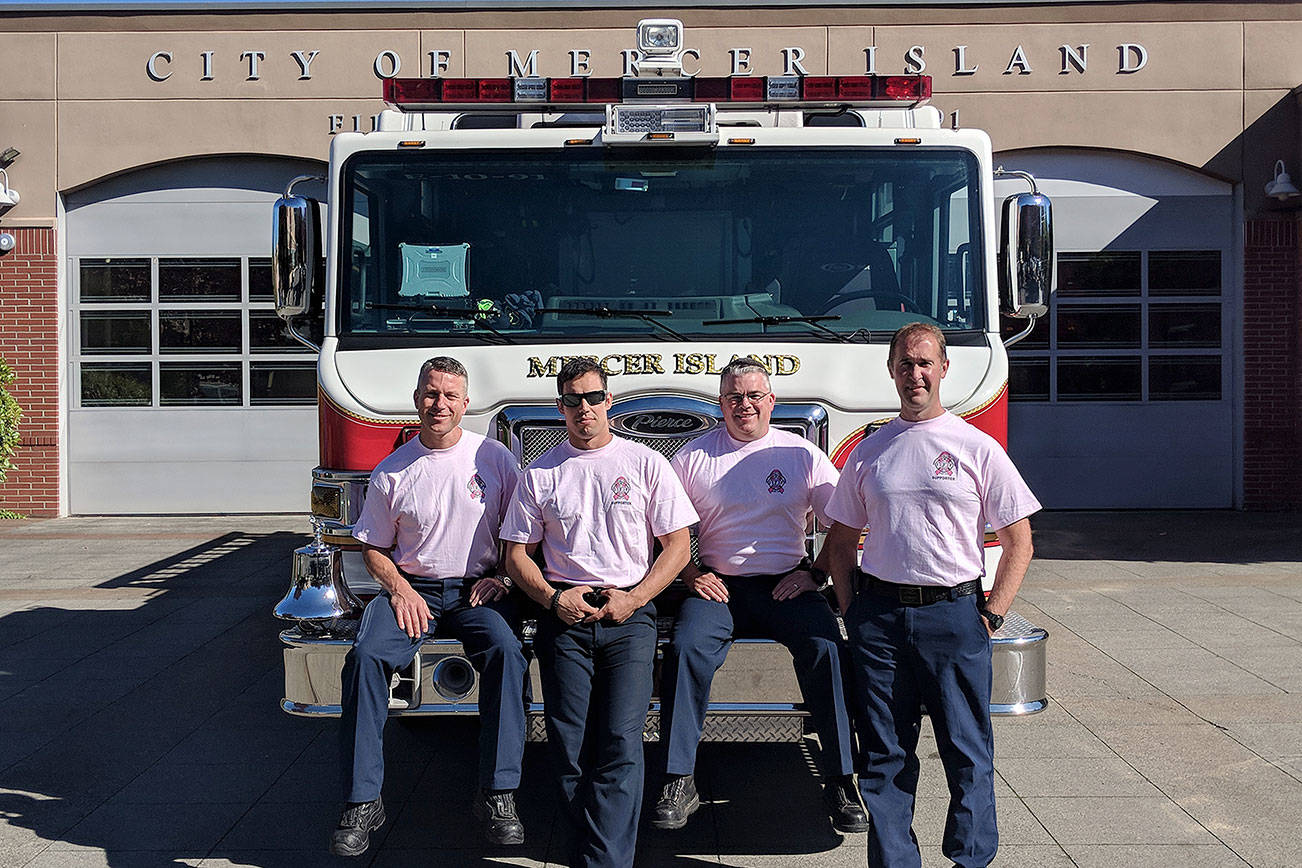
(290, 62)
(617, 364)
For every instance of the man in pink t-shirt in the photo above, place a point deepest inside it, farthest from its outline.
(595, 503)
(428, 531)
(755, 488)
(925, 485)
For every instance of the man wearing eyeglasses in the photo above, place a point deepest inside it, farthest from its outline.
(754, 488)
(428, 531)
(594, 503)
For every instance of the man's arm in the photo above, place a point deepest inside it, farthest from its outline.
(802, 581)
(1016, 558)
(703, 582)
(491, 588)
(523, 570)
(839, 550)
(675, 552)
(409, 607)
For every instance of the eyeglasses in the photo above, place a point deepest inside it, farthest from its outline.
(735, 398)
(573, 399)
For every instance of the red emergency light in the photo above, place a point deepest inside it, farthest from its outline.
(433, 94)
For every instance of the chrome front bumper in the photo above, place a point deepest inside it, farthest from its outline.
(756, 680)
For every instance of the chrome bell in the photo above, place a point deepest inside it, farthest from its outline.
(317, 590)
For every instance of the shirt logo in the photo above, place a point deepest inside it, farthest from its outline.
(946, 467)
(476, 487)
(619, 489)
(776, 481)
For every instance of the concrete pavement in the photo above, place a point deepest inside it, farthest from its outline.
(140, 675)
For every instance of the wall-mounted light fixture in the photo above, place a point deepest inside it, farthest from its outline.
(8, 195)
(7, 243)
(1281, 186)
(7, 157)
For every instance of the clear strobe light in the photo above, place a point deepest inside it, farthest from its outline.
(659, 36)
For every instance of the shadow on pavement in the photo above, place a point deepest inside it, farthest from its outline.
(1201, 536)
(130, 723)
(141, 726)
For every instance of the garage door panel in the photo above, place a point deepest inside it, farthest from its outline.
(164, 461)
(182, 395)
(1124, 456)
(1122, 375)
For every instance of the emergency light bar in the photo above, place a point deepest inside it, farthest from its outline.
(826, 91)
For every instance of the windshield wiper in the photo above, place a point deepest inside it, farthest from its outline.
(811, 321)
(474, 314)
(647, 316)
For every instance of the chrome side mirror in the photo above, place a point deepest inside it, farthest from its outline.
(296, 235)
(1027, 267)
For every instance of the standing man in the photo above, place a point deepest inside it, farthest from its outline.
(754, 488)
(594, 502)
(429, 536)
(926, 484)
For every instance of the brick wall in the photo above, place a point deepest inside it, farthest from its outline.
(1272, 392)
(29, 335)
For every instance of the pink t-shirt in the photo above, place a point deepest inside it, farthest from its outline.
(440, 508)
(754, 498)
(597, 511)
(926, 490)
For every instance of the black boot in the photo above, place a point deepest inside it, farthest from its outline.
(353, 834)
(678, 801)
(842, 799)
(501, 822)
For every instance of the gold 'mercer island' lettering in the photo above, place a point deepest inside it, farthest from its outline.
(616, 364)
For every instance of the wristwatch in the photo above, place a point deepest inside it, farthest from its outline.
(995, 621)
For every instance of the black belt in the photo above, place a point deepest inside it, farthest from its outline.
(758, 577)
(426, 580)
(913, 595)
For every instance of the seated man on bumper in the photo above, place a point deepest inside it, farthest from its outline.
(753, 487)
(594, 503)
(429, 533)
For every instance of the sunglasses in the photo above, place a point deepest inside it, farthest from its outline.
(573, 399)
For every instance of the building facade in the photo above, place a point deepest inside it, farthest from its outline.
(154, 378)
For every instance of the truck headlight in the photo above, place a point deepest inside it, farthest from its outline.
(328, 501)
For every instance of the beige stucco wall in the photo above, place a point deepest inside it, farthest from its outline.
(80, 104)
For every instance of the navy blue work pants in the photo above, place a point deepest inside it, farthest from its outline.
(703, 633)
(596, 684)
(382, 646)
(906, 657)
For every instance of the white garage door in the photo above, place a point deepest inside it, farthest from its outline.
(184, 396)
(1124, 394)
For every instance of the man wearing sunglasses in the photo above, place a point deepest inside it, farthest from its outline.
(428, 531)
(754, 488)
(594, 503)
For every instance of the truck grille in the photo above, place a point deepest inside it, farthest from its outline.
(537, 439)
(531, 431)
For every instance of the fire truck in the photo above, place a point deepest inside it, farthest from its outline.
(662, 224)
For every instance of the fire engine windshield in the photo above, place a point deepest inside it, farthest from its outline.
(592, 244)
